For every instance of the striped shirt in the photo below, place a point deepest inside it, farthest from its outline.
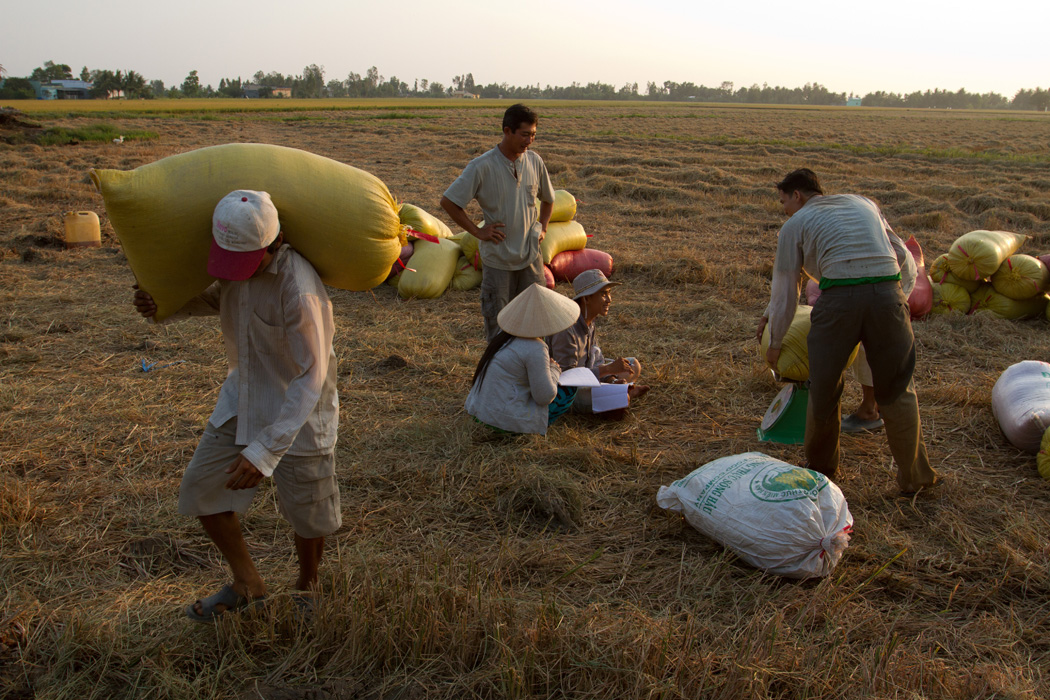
(506, 190)
(281, 384)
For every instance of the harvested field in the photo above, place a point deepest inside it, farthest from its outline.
(483, 567)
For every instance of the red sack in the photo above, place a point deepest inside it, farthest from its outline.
(567, 264)
(402, 260)
(548, 276)
(812, 291)
(920, 301)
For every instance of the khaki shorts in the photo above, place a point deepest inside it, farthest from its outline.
(307, 492)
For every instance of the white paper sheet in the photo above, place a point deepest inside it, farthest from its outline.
(607, 397)
(578, 376)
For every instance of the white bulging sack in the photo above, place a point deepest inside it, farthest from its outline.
(780, 518)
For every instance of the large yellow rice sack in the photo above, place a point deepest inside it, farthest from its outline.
(419, 220)
(987, 300)
(978, 254)
(343, 220)
(1042, 460)
(794, 353)
(564, 206)
(467, 276)
(950, 298)
(1021, 277)
(562, 236)
(941, 273)
(430, 269)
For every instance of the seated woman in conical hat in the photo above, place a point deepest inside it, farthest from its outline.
(577, 346)
(515, 386)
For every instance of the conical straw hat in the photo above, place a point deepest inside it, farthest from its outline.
(538, 312)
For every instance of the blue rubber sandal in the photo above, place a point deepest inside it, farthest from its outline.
(853, 424)
(226, 596)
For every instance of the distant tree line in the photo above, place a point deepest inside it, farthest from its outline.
(311, 83)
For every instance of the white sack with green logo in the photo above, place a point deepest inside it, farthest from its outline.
(780, 518)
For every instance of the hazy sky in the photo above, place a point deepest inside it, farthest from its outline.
(893, 45)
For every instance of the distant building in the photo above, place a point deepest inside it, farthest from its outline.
(466, 95)
(853, 102)
(63, 90)
(253, 91)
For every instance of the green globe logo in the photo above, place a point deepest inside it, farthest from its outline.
(784, 482)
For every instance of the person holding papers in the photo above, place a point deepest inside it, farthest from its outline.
(515, 386)
(577, 346)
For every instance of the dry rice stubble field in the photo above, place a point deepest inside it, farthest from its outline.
(477, 567)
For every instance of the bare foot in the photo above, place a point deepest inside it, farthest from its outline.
(637, 391)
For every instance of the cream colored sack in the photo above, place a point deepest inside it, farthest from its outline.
(1042, 460)
(469, 245)
(941, 273)
(466, 275)
(987, 300)
(419, 220)
(562, 236)
(564, 207)
(343, 220)
(978, 254)
(1021, 277)
(794, 353)
(950, 298)
(430, 269)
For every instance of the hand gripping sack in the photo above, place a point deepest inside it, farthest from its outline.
(978, 254)
(343, 220)
(1021, 277)
(920, 300)
(423, 222)
(430, 269)
(794, 351)
(562, 236)
(777, 517)
(1021, 403)
(565, 266)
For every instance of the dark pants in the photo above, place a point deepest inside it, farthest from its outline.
(877, 316)
(498, 287)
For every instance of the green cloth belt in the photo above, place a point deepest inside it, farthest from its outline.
(826, 282)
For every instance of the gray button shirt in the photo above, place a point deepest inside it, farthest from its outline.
(506, 191)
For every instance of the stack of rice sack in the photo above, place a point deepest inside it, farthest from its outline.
(1021, 405)
(564, 248)
(984, 273)
(436, 260)
(343, 220)
(431, 263)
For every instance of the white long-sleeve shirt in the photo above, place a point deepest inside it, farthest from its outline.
(281, 383)
(519, 384)
(839, 236)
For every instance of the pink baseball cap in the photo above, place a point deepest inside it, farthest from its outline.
(244, 223)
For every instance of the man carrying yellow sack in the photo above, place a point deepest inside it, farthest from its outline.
(277, 411)
(506, 181)
(844, 241)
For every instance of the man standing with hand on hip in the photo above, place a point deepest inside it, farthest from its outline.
(844, 242)
(277, 411)
(506, 181)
